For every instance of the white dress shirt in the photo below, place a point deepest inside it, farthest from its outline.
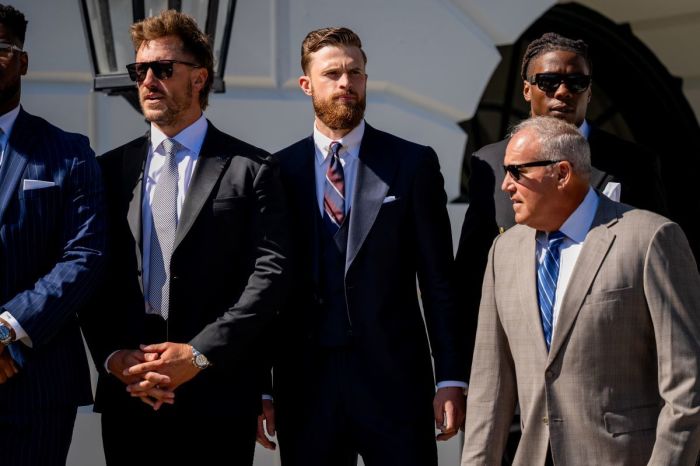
(7, 122)
(575, 228)
(191, 140)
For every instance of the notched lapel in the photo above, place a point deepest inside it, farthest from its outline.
(375, 171)
(19, 150)
(597, 244)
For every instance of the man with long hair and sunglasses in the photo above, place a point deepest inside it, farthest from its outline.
(197, 239)
(589, 320)
(556, 73)
(52, 243)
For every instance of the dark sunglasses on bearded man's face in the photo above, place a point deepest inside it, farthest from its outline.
(550, 82)
(514, 170)
(162, 69)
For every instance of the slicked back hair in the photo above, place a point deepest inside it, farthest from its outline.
(559, 140)
(194, 41)
(15, 23)
(333, 36)
(552, 42)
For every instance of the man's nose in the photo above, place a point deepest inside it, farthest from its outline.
(508, 185)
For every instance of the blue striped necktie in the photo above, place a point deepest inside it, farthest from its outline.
(547, 276)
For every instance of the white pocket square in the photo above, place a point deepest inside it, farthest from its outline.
(389, 199)
(36, 184)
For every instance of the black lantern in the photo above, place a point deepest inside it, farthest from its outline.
(106, 24)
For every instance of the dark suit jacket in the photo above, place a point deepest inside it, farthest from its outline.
(389, 242)
(491, 210)
(226, 272)
(51, 250)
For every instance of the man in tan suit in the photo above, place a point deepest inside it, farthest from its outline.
(589, 318)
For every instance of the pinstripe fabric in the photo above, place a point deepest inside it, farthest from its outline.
(51, 248)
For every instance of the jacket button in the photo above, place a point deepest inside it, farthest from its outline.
(545, 420)
(549, 374)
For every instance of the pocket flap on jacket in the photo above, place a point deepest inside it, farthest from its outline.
(632, 420)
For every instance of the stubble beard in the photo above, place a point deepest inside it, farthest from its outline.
(175, 106)
(338, 115)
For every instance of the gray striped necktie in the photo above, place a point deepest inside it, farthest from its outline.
(164, 211)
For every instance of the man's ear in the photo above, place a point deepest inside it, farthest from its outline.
(564, 173)
(200, 78)
(527, 91)
(23, 63)
(305, 85)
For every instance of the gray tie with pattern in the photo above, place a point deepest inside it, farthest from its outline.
(164, 210)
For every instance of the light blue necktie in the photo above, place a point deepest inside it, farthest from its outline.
(547, 276)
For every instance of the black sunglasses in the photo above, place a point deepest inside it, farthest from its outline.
(162, 69)
(550, 82)
(514, 170)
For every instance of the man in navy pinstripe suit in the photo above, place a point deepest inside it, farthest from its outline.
(51, 246)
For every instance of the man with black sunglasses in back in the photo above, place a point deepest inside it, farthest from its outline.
(194, 272)
(556, 73)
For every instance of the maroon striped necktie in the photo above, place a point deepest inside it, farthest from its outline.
(334, 189)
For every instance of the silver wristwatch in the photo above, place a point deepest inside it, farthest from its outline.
(199, 360)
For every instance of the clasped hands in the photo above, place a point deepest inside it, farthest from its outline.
(153, 372)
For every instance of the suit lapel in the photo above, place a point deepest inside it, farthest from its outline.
(375, 170)
(527, 287)
(595, 248)
(134, 164)
(17, 154)
(211, 162)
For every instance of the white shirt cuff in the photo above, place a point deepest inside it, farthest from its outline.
(107, 360)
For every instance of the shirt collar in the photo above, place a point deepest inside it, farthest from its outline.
(7, 122)
(351, 143)
(579, 222)
(191, 137)
(585, 129)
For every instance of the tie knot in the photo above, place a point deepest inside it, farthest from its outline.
(170, 146)
(555, 238)
(335, 148)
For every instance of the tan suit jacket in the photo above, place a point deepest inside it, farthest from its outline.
(620, 385)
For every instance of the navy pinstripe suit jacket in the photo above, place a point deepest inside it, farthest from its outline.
(52, 243)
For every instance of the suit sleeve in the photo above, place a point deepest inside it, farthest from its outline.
(232, 336)
(492, 388)
(435, 262)
(42, 309)
(672, 290)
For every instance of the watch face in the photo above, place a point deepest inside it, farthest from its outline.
(5, 334)
(201, 361)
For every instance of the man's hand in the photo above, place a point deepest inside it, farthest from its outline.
(449, 407)
(268, 415)
(145, 386)
(8, 368)
(174, 361)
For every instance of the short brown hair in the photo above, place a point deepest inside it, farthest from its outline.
(334, 37)
(194, 41)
